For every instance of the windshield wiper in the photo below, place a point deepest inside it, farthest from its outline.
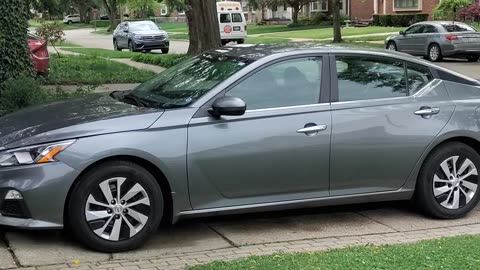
(138, 101)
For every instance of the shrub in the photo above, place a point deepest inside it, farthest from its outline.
(402, 20)
(319, 18)
(166, 61)
(27, 91)
(51, 32)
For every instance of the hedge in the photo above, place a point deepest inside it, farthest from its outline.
(106, 23)
(403, 20)
(163, 60)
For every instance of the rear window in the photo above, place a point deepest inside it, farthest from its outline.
(237, 17)
(458, 27)
(225, 18)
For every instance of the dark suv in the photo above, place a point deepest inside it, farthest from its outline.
(140, 36)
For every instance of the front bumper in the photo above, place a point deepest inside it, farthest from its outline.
(44, 189)
(151, 44)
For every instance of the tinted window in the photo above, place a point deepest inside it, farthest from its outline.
(237, 17)
(418, 76)
(143, 26)
(361, 78)
(186, 82)
(458, 27)
(416, 29)
(225, 18)
(430, 29)
(288, 83)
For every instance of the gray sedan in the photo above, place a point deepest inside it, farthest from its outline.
(242, 129)
(140, 36)
(435, 40)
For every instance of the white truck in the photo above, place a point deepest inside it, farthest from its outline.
(233, 26)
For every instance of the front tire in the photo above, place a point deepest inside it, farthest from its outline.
(473, 58)
(448, 181)
(434, 53)
(165, 51)
(115, 207)
(131, 46)
(391, 46)
(115, 46)
(69, 22)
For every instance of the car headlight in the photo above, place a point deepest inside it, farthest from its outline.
(137, 36)
(37, 154)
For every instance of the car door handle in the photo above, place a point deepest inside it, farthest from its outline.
(311, 130)
(427, 112)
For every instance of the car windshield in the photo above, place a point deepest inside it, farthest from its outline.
(458, 27)
(184, 83)
(146, 26)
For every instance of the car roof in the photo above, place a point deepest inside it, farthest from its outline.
(440, 23)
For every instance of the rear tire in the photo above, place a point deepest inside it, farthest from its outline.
(165, 51)
(434, 53)
(473, 58)
(448, 180)
(106, 221)
(224, 42)
(240, 41)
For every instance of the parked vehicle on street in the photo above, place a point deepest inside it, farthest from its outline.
(69, 19)
(104, 18)
(244, 129)
(437, 39)
(39, 53)
(140, 36)
(232, 22)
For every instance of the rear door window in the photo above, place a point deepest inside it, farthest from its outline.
(237, 17)
(417, 77)
(225, 18)
(458, 27)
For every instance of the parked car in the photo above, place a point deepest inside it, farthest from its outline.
(244, 129)
(69, 19)
(140, 36)
(437, 39)
(104, 18)
(39, 54)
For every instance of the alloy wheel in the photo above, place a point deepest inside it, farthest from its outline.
(117, 209)
(455, 182)
(434, 53)
(392, 47)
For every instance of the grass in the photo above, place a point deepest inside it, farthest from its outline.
(181, 36)
(371, 38)
(448, 253)
(325, 33)
(93, 71)
(102, 52)
(67, 44)
(266, 39)
(174, 27)
(265, 29)
(162, 60)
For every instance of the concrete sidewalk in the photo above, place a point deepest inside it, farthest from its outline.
(225, 238)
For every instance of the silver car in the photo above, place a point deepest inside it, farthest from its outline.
(242, 129)
(437, 39)
(140, 36)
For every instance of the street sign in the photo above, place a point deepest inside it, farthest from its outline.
(94, 11)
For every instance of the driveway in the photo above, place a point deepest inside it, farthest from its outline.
(85, 38)
(223, 238)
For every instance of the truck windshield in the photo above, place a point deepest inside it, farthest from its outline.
(184, 83)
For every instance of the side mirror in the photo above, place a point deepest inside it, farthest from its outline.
(402, 33)
(228, 106)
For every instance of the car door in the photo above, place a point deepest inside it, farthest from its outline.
(411, 39)
(277, 151)
(382, 122)
(123, 35)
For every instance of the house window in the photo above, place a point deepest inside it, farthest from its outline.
(407, 4)
(163, 11)
(321, 5)
(181, 12)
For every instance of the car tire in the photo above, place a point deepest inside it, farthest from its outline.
(69, 22)
(448, 196)
(240, 41)
(224, 42)
(434, 53)
(391, 46)
(131, 47)
(115, 46)
(165, 51)
(473, 58)
(102, 219)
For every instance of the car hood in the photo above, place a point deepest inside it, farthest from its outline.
(149, 32)
(74, 118)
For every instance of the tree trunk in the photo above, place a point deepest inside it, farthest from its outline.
(296, 10)
(337, 24)
(203, 25)
(111, 6)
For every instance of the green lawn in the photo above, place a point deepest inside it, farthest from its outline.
(448, 253)
(328, 32)
(93, 71)
(266, 39)
(67, 44)
(174, 27)
(102, 52)
(182, 36)
(371, 38)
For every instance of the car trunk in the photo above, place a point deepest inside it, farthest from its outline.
(39, 53)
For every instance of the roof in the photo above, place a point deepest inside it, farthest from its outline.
(257, 51)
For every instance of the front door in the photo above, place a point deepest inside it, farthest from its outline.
(382, 122)
(411, 40)
(277, 151)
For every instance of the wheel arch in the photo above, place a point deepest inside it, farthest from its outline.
(149, 166)
(427, 51)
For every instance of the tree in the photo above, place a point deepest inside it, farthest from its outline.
(202, 25)
(296, 5)
(141, 8)
(52, 33)
(112, 8)
(15, 60)
(263, 5)
(337, 24)
(447, 9)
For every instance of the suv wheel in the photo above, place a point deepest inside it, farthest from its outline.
(115, 46)
(115, 207)
(448, 181)
(434, 53)
(391, 46)
(131, 46)
(165, 51)
(69, 22)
